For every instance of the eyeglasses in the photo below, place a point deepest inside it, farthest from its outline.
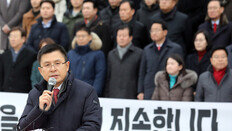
(14, 36)
(81, 36)
(56, 65)
(213, 8)
(199, 40)
(220, 57)
(156, 31)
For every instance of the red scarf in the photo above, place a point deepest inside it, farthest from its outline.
(201, 54)
(218, 75)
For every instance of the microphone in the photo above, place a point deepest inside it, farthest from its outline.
(51, 84)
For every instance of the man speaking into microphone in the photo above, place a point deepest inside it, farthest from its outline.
(70, 105)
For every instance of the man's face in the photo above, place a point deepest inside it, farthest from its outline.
(16, 40)
(126, 12)
(114, 3)
(83, 38)
(88, 10)
(219, 59)
(46, 10)
(167, 5)
(53, 65)
(35, 3)
(77, 3)
(123, 38)
(214, 10)
(157, 33)
(149, 2)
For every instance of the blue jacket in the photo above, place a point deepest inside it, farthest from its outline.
(87, 63)
(77, 108)
(152, 62)
(58, 32)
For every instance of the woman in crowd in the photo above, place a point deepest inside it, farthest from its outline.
(87, 61)
(35, 75)
(175, 82)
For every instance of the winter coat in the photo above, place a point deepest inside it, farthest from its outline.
(77, 108)
(144, 14)
(209, 91)
(87, 63)
(181, 91)
(60, 8)
(140, 33)
(223, 35)
(122, 74)
(176, 22)
(15, 76)
(28, 20)
(153, 61)
(229, 50)
(101, 29)
(69, 20)
(35, 74)
(58, 32)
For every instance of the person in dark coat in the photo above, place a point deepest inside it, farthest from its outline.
(229, 50)
(196, 11)
(71, 105)
(148, 9)
(176, 21)
(96, 25)
(48, 26)
(154, 57)
(127, 16)
(199, 61)
(110, 14)
(217, 24)
(16, 64)
(215, 84)
(123, 66)
(87, 61)
(73, 15)
(175, 83)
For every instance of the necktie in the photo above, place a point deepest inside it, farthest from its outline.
(214, 27)
(158, 48)
(55, 93)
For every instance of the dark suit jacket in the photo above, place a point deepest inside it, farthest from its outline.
(15, 76)
(122, 74)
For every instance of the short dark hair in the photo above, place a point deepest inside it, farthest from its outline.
(48, 1)
(220, 2)
(92, 1)
(83, 28)
(46, 40)
(163, 24)
(131, 3)
(207, 37)
(125, 26)
(51, 48)
(215, 48)
(17, 28)
(179, 59)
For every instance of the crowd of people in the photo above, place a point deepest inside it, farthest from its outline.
(133, 49)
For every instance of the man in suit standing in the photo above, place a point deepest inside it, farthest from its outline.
(16, 64)
(11, 12)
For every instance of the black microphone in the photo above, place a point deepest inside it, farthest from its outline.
(51, 84)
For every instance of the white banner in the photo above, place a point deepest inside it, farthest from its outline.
(134, 115)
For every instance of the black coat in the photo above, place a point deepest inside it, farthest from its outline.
(152, 62)
(15, 76)
(144, 14)
(223, 35)
(229, 50)
(140, 33)
(176, 22)
(122, 74)
(101, 29)
(58, 32)
(77, 108)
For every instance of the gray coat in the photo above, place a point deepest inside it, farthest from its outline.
(208, 90)
(152, 62)
(12, 16)
(181, 91)
(122, 74)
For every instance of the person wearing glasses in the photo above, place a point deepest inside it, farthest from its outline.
(87, 61)
(71, 105)
(215, 84)
(16, 64)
